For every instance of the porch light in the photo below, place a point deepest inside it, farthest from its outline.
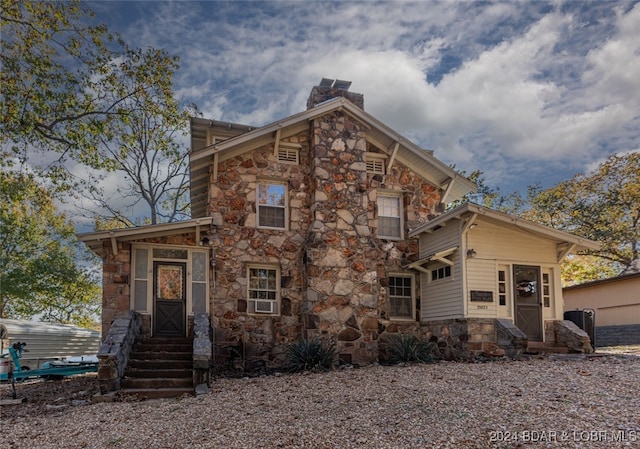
(471, 253)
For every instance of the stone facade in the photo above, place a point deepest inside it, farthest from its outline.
(333, 268)
(116, 272)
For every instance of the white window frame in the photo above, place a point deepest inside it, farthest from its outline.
(189, 280)
(505, 290)
(441, 277)
(400, 216)
(412, 298)
(251, 301)
(285, 207)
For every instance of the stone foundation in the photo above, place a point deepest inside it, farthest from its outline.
(470, 338)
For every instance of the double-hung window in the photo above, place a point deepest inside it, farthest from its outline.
(263, 289)
(401, 297)
(272, 205)
(389, 216)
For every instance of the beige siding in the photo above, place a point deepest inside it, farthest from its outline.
(482, 275)
(501, 243)
(441, 299)
(501, 246)
(615, 302)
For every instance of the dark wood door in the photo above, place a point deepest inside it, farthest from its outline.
(169, 299)
(528, 305)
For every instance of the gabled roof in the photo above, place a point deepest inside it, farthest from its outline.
(94, 240)
(378, 134)
(565, 242)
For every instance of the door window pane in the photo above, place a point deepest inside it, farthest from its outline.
(169, 282)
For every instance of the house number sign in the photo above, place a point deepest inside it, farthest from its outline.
(481, 296)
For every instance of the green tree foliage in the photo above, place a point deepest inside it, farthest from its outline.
(603, 206)
(489, 197)
(74, 93)
(50, 59)
(39, 272)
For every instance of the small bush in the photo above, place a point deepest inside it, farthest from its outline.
(307, 355)
(406, 348)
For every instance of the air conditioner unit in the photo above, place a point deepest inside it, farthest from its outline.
(264, 306)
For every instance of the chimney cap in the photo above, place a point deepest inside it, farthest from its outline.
(336, 84)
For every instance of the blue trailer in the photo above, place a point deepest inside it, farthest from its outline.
(49, 370)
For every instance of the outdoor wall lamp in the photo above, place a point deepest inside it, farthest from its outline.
(471, 253)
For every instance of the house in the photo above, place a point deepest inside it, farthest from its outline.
(490, 278)
(616, 302)
(319, 225)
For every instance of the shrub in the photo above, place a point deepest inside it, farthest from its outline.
(306, 355)
(405, 348)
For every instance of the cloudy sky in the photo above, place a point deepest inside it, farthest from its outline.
(527, 92)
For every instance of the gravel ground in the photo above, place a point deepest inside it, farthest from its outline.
(537, 403)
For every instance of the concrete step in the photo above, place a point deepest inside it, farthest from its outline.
(156, 393)
(539, 347)
(160, 364)
(160, 355)
(159, 368)
(145, 347)
(156, 383)
(158, 372)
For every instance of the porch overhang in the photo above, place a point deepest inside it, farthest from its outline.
(95, 240)
(440, 256)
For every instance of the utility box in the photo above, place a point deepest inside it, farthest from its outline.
(585, 319)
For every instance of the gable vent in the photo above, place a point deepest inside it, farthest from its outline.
(288, 155)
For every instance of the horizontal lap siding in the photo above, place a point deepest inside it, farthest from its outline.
(482, 276)
(498, 243)
(441, 299)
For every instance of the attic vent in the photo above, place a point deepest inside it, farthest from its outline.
(375, 163)
(288, 153)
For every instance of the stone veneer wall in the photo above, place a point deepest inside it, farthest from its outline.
(347, 267)
(334, 271)
(116, 274)
(257, 339)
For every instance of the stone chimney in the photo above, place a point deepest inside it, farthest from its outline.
(329, 88)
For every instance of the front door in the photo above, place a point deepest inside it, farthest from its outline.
(528, 305)
(169, 299)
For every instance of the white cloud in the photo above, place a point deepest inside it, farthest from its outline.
(517, 89)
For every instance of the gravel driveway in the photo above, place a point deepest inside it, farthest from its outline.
(537, 403)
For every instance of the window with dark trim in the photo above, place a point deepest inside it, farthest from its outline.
(441, 273)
